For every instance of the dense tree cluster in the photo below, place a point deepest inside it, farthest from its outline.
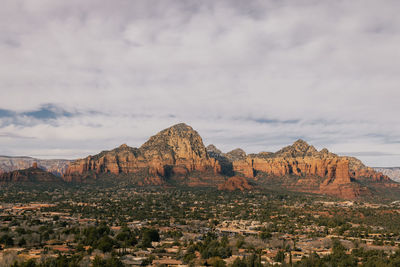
(93, 219)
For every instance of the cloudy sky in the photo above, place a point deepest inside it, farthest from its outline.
(78, 77)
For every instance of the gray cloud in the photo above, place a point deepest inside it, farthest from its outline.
(46, 113)
(254, 74)
(14, 136)
(368, 153)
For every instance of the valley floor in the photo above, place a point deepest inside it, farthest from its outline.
(90, 225)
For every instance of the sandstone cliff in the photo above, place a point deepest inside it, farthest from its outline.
(178, 150)
(177, 156)
(301, 167)
(235, 183)
(33, 174)
(392, 172)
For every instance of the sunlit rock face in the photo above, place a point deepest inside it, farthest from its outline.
(300, 167)
(32, 175)
(178, 154)
(177, 150)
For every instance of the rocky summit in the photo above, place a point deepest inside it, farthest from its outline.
(176, 156)
(300, 167)
(175, 151)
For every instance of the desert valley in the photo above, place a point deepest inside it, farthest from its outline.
(180, 133)
(175, 202)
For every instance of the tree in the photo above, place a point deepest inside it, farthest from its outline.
(29, 263)
(111, 262)
(151, 234)
(216, 262)
(22, 242)
(105, 244)
(265, 234)
(238, 263)
(240, 242)
(280, 256)
(127, 237)
(7, 240)
(148, 236)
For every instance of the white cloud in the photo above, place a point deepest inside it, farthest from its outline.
(134, 67)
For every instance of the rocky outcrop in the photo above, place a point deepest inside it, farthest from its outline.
(33, 174)
(55, 166)
(236, 183)
(178, 150)
(177, 155)
(361, 172)
(301, 167)
(236, 154)
(180, 147)
(224, 161)
(299, 159)
(392, 172)
(123, 159)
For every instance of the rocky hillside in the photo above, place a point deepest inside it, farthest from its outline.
(55, 166)
(175, 151)
(301, 167)
(393, 173)
(236, 183)
(177, 156)
(32, 174)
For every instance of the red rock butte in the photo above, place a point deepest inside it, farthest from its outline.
(178, 153)
(176, 150)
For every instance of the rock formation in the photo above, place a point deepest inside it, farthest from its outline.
(392, 172)
(33, 174)
(55, 166)
(235, 183)
(359, 171)
(177, 156)
(301, 167)
(178, 150)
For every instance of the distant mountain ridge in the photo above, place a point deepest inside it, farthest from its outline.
(300, 167)
(55, 166)
(176, 156)
(31, 175)
(392, 172)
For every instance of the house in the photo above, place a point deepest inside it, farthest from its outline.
(129, 260)
(168, 262)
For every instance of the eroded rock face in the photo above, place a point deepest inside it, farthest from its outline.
(235, 183)
(392, 172)
(122, 159)
(177, 150)
(33, 174)
(178, 153)
(300, 159)
(300, 167)
(359, 171)
(180, 147)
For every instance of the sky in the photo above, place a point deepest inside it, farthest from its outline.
(78, 77)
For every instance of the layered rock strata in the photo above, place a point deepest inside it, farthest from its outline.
(301, 167)
(236, 183)
(33, 174)
(177, 150)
